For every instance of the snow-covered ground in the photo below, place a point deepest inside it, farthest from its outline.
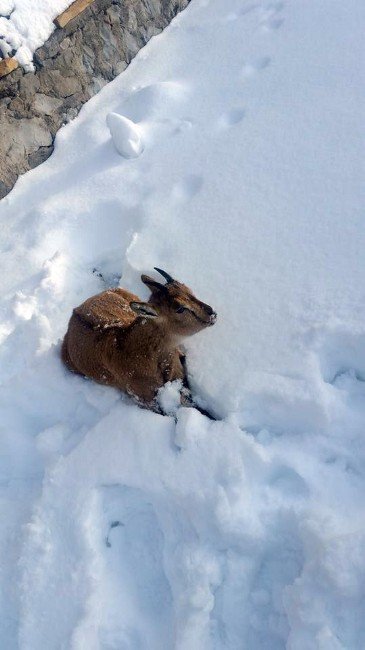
(25, 25)
(119, 528)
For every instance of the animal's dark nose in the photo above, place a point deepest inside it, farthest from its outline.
(213, 317)
(209, 310)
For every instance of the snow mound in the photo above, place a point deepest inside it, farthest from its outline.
(126, 135)
(155, 101)
(169, 397)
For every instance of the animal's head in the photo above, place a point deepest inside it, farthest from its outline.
(176, 304)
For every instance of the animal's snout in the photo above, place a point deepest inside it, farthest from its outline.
(212, 317)
(210, 313)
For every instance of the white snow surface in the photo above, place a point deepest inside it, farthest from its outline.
(122, 529)
(25, 25)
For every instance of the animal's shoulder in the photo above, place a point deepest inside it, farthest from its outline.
(108, 309)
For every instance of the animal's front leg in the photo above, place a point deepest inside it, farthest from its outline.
(181, 372)
(182, 359)
(151, 405)
(172, 368)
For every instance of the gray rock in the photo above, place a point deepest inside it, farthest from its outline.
(28, 85)
(39, 156)
(3, 189)
(31, 134)
(46, 105)
(65, 43)
(54, 83)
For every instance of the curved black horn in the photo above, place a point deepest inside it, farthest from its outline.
(167, 277)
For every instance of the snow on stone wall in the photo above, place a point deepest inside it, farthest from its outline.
(72, 66)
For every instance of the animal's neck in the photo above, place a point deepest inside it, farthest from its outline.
(152, 336)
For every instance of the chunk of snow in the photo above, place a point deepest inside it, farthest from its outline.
(169, 397)
(126, 135)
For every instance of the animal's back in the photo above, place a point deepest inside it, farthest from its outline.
(108, 309)
(90, 327)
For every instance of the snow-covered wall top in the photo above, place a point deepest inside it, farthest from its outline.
(25, 25)
(72, 66)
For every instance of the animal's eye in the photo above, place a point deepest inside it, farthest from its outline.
(180, 310)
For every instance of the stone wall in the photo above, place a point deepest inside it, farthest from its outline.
(72, 66)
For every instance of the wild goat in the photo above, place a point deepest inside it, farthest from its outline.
(117, 340)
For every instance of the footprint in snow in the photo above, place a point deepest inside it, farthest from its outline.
(271, 16)
(252, 67)
(231, 118)
(187, 188)
(289, 482)
(340, 355)
(114, 524)
(236, 15)
(133, 570)
(343, 463)
(274, 23)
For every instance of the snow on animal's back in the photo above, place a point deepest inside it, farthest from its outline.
(108, 309)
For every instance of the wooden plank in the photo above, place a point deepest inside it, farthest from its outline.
(71, 12)
(7, 66)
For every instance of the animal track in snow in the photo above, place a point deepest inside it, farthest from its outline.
(187, 188)
(341, 356)
(177, 126)
(235, 15)
(252, 67)
(271, 18)
(288, 481)
(231, 117)
(274, 23)
(134, 572)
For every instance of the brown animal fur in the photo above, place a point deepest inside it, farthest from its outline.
(119, 341)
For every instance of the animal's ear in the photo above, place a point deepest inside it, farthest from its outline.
(143, 309)
(152, 284)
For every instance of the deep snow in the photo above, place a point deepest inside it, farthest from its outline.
(119, 528)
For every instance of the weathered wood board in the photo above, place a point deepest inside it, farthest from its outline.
(71, 12)
(7, 66)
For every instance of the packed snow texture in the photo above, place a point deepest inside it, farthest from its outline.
(121, 528)
(25, 25)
